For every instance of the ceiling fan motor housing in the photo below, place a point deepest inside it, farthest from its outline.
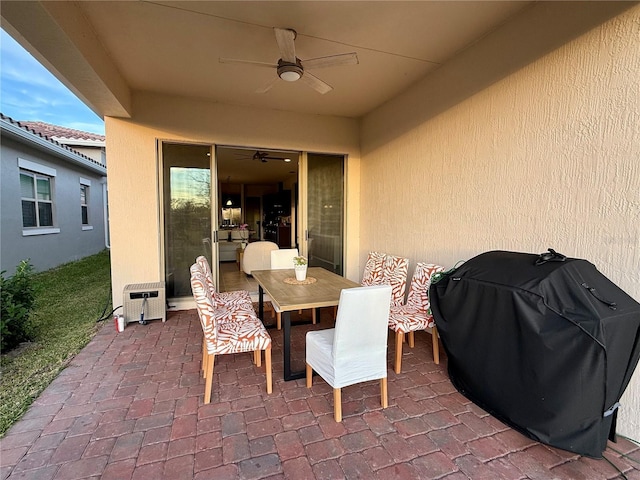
(290, 72)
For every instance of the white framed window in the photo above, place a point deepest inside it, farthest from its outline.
(37, 200)
(85, 186)
(36, 195)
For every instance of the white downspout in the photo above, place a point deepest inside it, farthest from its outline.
(105, 206)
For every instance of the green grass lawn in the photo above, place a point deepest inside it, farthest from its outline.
(70, 299)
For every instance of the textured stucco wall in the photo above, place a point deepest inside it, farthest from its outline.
(546, 157)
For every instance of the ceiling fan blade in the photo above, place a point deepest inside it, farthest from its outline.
(331, 61)
(247, 62)
(267, 87)
(315, 83)
(285, 38)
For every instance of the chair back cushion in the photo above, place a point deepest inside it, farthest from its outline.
(360, 339)
(283, 258)
(418, 296)
(204, 306)
(205, 268)
(373, 269)
(257, 256)
(395, 274)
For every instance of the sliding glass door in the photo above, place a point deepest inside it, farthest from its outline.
(325, 211)
(190, 213)
(187, 212)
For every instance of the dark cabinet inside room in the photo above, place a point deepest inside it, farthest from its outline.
(277, 218)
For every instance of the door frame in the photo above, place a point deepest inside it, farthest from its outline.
(186, 302)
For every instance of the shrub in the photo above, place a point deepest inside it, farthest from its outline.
(17, 297)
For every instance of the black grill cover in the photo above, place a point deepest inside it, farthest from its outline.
(541, 347)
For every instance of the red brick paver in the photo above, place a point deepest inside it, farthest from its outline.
(130, 406)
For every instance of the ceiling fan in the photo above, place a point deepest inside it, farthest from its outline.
(264, 157)
(290, 68)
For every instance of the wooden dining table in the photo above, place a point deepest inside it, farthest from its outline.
(288, 297)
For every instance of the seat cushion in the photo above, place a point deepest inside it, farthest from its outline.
(234, 313)
(244, 336)
(406, 318)
(319, 354)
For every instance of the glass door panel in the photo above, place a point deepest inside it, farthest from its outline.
(187, 212)
(325, 211)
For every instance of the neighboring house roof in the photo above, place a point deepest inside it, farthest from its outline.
(69, 135)
(21, 132)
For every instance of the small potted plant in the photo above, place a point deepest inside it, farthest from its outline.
(300, 266)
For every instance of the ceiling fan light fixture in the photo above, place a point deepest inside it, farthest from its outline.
(289, 72)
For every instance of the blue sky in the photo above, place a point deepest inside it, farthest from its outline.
(29, 92)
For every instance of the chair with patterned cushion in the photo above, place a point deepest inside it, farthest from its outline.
(355, 350)
(383, 269)
(374, 269)
(227, 303)
(247, 334)
(416, 313)
(221, 298)
(395, 271)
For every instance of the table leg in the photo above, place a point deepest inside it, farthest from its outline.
(261, 303)
(286, 349)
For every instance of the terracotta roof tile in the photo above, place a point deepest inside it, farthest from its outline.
(25, 126)
(50, 131)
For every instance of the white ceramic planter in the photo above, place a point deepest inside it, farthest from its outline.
(301, 272)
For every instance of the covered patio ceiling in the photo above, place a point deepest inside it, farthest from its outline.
(106, 51)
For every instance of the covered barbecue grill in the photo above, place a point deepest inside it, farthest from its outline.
(546, 344)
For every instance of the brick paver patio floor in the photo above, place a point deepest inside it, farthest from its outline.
(130, 406)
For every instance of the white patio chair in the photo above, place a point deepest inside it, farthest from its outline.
(356, 349)
(282, 259)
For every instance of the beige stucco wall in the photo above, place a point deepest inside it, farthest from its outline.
(133, 168)
(546, 157)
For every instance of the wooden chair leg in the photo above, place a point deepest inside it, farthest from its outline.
(399, 340)
(267, 366)
(209, 376)
(412, 339)
(279, 320)
(436, 346)
(309, 375)
(384, 395)
(337, 404)
(204, 358)
(313, 316)
(257, 357)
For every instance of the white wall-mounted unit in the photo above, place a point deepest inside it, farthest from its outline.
(144, 301)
